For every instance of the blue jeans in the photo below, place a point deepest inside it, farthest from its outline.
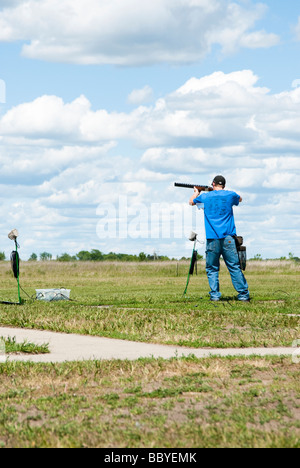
(227, 248)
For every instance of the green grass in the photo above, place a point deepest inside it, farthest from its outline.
(144, 302)
(12, 347)
(177, 403)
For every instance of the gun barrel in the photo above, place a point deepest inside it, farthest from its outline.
(203, 188)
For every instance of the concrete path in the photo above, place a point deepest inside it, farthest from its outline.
(68, 347)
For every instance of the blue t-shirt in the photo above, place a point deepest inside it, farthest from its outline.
(218, 212)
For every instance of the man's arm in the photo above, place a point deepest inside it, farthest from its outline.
(237, 199)
(195, 195)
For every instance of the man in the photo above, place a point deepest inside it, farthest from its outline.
(220, 229)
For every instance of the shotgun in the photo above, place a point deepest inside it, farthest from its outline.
(200, 188)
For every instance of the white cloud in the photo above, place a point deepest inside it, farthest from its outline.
(45, 117)
(70, 158)
(175, 160)
(297, 30)
(31, 165)
(220, 110)
(244, 79)
(234, 33)
(141, 96)
(296, 83)
(259, 39)
(9, 3)
(50, 118)
(131, 32)
(2, 92)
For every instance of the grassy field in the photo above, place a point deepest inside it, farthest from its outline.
(213, 402)
(144, 302)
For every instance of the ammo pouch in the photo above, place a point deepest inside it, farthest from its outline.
(15, 263)
(194, 262)
(241, 250)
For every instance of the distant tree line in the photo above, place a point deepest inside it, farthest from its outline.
(290, 257)
(43, 257)
(98, 256)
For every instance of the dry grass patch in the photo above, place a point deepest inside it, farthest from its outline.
(209, 402)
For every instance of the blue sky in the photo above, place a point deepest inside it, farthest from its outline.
(113, 101)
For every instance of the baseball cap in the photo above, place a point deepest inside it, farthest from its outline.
(219, 180)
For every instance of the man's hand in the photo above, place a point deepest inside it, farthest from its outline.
(196, 192)
(195, 195)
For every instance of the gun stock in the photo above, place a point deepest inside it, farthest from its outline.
(201, 188)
